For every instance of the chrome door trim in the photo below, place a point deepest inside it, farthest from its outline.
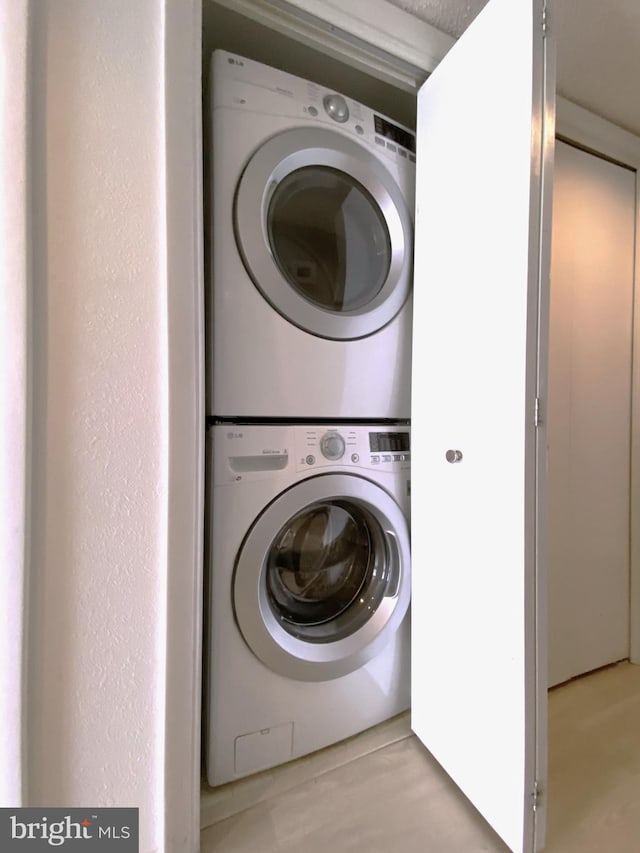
(274, 160)
(262, 631)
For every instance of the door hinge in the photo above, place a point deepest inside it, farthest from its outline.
(537, 416)
(536, 796)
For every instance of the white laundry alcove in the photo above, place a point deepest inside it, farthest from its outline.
(381, 66)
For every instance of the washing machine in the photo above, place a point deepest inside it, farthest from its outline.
(309, 311)
(308, 589)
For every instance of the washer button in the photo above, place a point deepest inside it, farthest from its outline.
(375, 459)
(310, 460)
(355, 457)
(312, 111)
(397, 457)
(359, 129)
(386, 458)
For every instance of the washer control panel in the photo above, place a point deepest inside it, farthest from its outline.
(249, 452)
(353, 446)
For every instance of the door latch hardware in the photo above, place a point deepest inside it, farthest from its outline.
(536, 796)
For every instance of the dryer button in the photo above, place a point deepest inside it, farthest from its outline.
(310, 459)
(336, 108)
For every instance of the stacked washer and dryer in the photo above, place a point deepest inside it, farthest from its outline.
(308, 443)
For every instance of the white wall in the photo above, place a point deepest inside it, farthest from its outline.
(589, 412)
(593, 132)
(116, 449)
(14, 391)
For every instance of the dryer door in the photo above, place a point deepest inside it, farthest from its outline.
(325, 233)
(322, 580)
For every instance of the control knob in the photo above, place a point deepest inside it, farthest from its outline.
(336, 108)
(332, 446)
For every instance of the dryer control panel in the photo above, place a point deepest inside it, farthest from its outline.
(244, 84)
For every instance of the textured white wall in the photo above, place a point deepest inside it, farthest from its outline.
(450, 17)
(96, 677)
(100, 569)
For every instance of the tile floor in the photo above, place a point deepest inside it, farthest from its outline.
(381, 792)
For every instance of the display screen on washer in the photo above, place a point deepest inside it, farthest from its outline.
(381, 442)
(395, 133)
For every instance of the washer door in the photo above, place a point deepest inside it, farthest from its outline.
(325, 233)
(322, 579)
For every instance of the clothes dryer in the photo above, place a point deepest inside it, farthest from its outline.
(308, 589)
(309, 311)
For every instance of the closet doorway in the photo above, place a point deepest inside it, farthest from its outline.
(589, 413)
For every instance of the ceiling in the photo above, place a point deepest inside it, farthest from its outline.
(598, 49)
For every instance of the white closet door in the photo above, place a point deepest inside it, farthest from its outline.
(485, 142)
(589, 413)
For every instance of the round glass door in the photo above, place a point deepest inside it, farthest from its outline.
(329, 238)
(322, 579)
(327, 571)
(324, 232)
